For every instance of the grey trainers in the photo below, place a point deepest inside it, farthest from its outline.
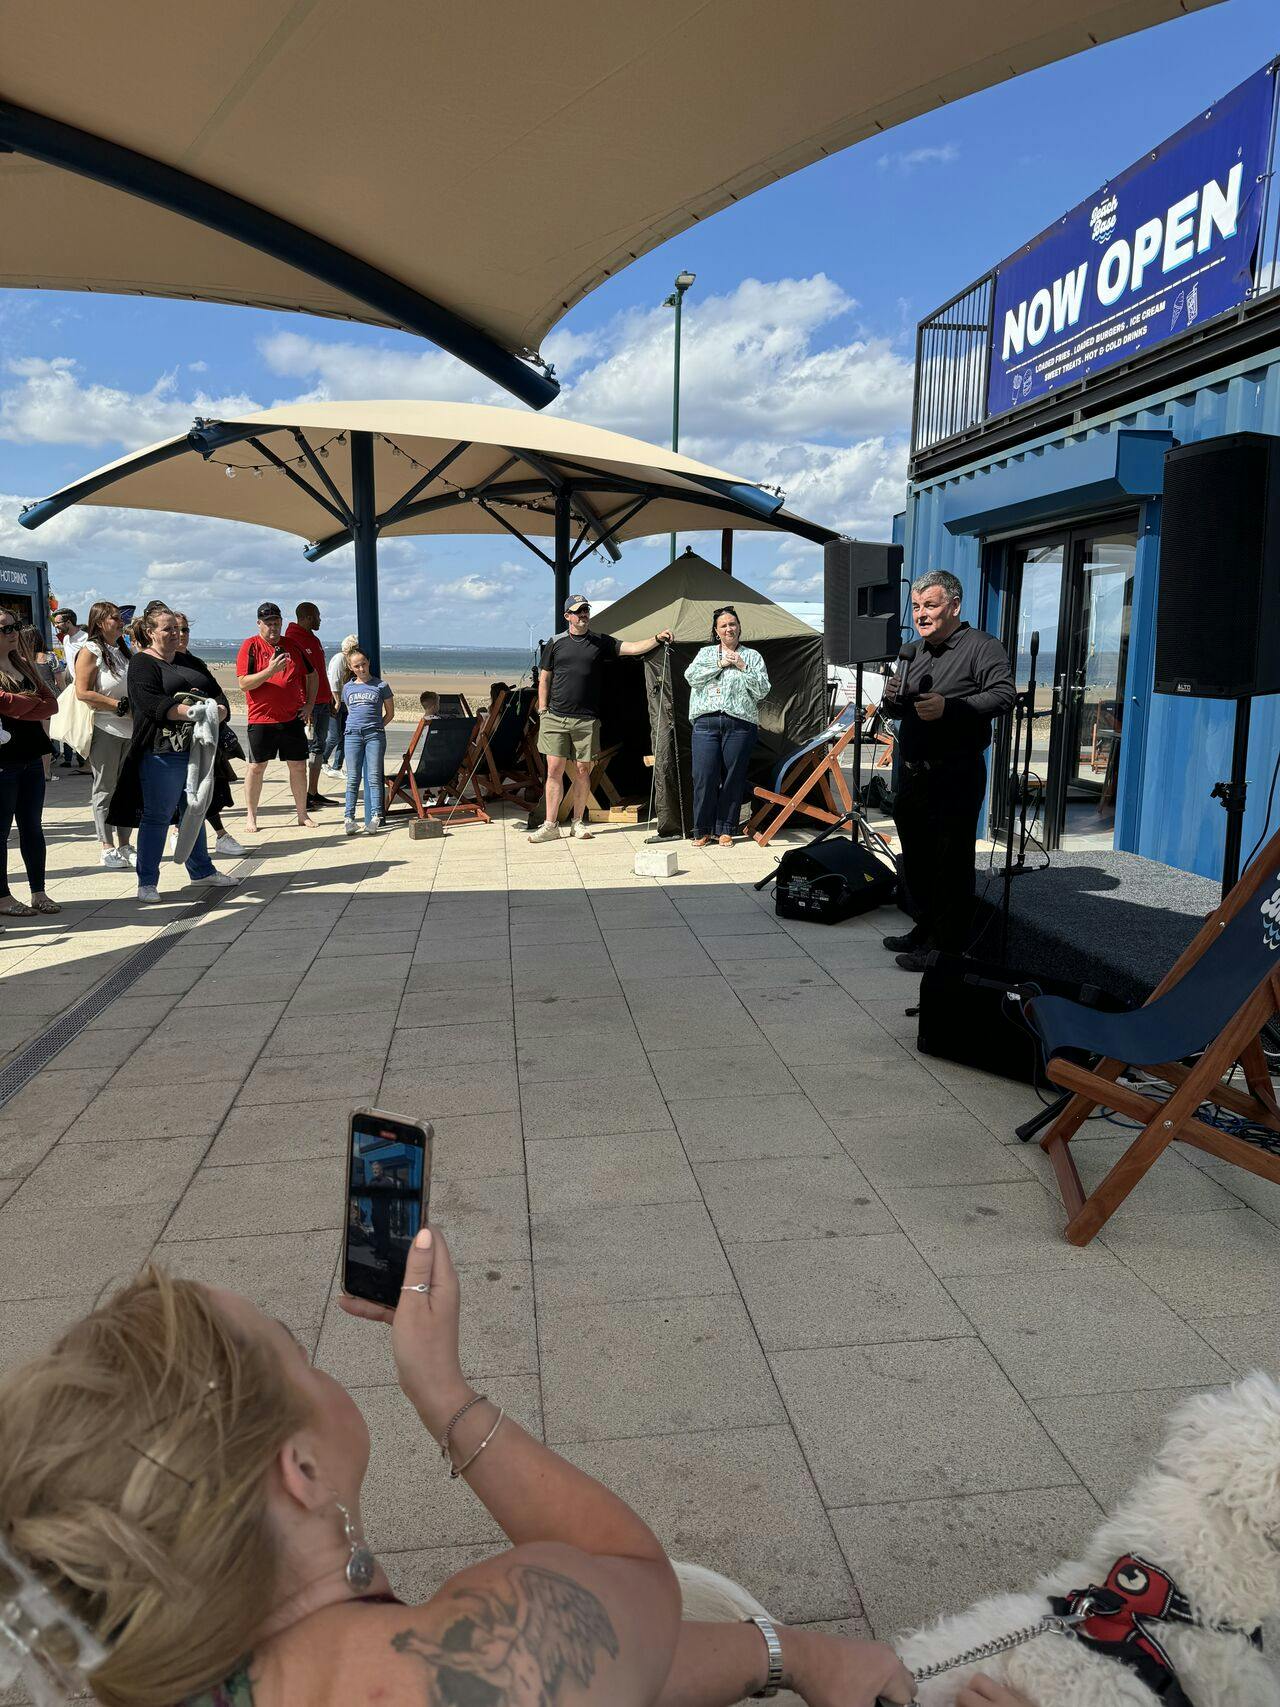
(547, 832)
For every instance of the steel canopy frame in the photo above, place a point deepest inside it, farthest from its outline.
(568, 490)
(56, 144)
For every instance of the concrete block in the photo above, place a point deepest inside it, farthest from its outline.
(425, 829)
(655, 862)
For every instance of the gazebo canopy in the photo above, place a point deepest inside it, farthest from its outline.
(346, 473)
(467, 172)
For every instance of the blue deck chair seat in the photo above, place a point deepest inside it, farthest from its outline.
(1202, 1022)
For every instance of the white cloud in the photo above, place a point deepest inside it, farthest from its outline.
(345, 371)
(907, 160)
(473, 587)
(51, 405)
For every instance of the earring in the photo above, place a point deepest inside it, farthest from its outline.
(361, 1565)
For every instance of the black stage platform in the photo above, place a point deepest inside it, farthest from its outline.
(1110, 919)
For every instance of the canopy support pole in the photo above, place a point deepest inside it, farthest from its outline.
(726, 550)
(564, 554)
(364, 509)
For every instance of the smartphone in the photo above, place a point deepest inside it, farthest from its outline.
(388, 1191)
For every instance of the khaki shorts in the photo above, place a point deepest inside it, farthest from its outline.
(568, 737)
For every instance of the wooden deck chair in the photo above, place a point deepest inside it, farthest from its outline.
(814, 770)
(1211, 1005)
(508, 773)
(438, 771)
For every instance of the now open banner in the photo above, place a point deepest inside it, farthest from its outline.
(1167, 244)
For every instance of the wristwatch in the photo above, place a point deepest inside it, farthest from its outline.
(766, 1629)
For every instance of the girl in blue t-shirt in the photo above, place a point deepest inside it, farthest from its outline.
(370, 707)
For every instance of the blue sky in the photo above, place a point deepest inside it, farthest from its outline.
(797, 356)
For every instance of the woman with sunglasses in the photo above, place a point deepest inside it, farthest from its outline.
(25, 705)
(101, 669)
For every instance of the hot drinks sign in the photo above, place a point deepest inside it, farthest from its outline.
(1164, 246)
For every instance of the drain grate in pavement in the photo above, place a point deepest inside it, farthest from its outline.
(67, 1027)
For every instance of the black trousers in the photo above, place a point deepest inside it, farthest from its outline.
(936, 812)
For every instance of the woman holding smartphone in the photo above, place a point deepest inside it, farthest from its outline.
(727, 681)
(184, 1483)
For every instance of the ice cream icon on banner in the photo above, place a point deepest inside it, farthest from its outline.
(1193, 304)
(1017, 385)
(1179, 302)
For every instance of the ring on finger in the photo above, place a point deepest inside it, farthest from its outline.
(422, 1286)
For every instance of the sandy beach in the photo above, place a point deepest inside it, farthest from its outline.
(406, 685)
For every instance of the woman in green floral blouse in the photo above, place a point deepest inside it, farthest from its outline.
(727, 681)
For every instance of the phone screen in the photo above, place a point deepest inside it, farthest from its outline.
(388, 1191)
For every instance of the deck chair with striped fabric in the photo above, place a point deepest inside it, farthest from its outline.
(808, 782)
(438, 771)
(1199, 1027)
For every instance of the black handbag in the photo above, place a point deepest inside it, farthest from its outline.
(229, 742)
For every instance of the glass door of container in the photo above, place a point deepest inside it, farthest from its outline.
(1033, 609)
(1092, 683)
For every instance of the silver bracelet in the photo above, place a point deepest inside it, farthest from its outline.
(771, 1642)
(457, 1469)
(455, 1419)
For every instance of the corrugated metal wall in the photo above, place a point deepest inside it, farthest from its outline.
(1175, 749)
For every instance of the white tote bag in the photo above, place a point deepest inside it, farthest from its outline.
(73, 721)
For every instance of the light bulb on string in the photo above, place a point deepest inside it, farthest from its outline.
(231, 473)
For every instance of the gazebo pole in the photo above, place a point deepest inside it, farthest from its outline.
(364, 508)
(564, 519)
(726, 550)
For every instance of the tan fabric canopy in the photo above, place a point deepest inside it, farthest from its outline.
(497, 160)
(681, 597)
(508, 466)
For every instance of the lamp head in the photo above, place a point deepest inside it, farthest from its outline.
(684, 280)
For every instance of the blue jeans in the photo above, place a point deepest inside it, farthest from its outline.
(164, 780)
(365, 750)
(721, 751)
(333, 740)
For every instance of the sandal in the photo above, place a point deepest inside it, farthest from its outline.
(44, 905)
(12, 908)
(726, 841)
(701, 841)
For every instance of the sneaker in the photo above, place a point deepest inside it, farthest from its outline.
(114, 860)
(580, 831)
(227, 847)
(547, 833)
(916, 961)
(318, 799)
(215, 880)
(908, 943)
(148, 892)
(374, 825)
(332, 770)
(131, 854)
(350, 827)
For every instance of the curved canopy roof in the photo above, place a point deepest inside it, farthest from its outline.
(465, 171)
(438, 468)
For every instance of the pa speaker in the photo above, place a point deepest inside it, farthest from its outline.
(1218, 618)
(862, 599)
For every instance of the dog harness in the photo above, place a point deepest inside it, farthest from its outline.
(1117, 1620)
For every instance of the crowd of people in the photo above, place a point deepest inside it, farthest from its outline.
(134, 709)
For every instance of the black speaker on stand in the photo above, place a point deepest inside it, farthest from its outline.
(862, 598)
(1217, 631)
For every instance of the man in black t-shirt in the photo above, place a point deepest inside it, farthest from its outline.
(569, 709)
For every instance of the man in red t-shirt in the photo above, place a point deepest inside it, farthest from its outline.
(304, 634)
(279, 686)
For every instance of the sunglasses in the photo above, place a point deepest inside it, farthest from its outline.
(8, 627)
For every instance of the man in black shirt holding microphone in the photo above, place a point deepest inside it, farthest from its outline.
(945, 696)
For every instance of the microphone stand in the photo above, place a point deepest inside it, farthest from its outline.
(1021, 702)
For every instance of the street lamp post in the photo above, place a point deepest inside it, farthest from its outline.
(676, 301)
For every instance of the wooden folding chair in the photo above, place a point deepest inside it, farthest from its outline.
(815, 771)
(509, 773)
(438, 771)
(1202, 1023)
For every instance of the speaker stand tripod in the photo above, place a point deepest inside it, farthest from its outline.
(1232, 795)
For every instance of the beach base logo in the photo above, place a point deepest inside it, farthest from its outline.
(1271, 919)
(1102, 218)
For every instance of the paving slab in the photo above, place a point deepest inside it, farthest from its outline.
(261, 1197)
(562, 1059)
(1223, 1263)
(1247, 1342)
(779, 1197)
(311, 1035)
(590, 1109)
(831, 1292)
(611, 1252)
(29, 1326)
(694, 1490)
(1089, 1347)
(652, 1366)
(50, 1252)
(153, 1110)
(455, 1007)
(901, 1422)
(255, 1133)
(1109, 1439)
(932, 1148)
(487, 1087)
(426, 1047)
(116, 1172)
(486, 1220)
(726, 1128)
(925, 1559)
(285, 1274)
(989, 1229)
(639, 1168)
(709, 1072)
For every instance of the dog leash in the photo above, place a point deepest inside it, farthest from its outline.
(1061, 1622)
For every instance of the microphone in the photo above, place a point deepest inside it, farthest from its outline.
(893, 692)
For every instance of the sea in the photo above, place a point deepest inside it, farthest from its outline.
(495, 661)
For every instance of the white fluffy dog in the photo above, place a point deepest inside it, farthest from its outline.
(1207, 1516)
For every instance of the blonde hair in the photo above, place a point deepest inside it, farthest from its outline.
(134, 1458)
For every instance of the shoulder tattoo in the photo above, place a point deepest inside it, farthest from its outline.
(514, 1642)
